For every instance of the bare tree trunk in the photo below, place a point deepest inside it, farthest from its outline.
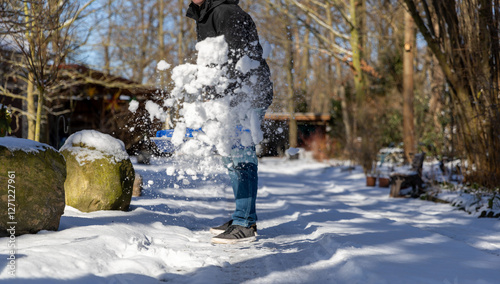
(180, 34)
(143, 47)
(357, 55)
(362, 121)
(437, 91)
(30, 96)
(107, 41)
(345, 110)
(161, 32)
(292, 126)
(408, 97)
(304, 65)
(38, 123)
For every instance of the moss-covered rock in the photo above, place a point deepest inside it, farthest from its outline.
(37, 174)
(99, 178)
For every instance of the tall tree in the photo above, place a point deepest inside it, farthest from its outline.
(107, 38)
(42, 32)
(290, 82)
(408, 97)
(357, 30)
(467, 48)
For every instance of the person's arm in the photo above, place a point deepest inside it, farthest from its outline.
(241, 35)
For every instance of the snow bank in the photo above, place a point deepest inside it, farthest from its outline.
(90, 145)
(26, 145)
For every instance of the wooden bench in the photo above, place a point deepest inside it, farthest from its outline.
(411, 177)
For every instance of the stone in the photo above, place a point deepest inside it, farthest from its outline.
(32, 176)
(100, 174)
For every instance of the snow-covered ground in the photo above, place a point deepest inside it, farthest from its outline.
(318, 224)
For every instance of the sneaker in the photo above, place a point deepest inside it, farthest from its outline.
(236, 234)
(222, 228)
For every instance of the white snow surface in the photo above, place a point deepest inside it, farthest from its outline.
(317, 224)
(98, 146)
(26, 145)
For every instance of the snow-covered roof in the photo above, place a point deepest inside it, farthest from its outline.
(7, 42)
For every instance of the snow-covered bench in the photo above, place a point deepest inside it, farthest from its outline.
(411, 177)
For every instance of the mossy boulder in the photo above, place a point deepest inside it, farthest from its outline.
(36, 173)
(100, 174)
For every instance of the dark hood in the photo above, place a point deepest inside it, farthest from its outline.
(198, 13)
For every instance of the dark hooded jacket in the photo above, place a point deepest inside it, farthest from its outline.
(224, 17)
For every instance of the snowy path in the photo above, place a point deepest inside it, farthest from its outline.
(317, 225)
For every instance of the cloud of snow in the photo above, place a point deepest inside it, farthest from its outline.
(155, 111)
(204, 100)
(200, 92)
(266, 49)
(245, 64)
(212, 50)
(162, 65)
(133, 106)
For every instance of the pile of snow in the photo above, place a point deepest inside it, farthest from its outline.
(90, 145)
(18, 144)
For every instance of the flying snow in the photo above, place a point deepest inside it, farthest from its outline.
(162, 65)
(202, 100)
(133, 106)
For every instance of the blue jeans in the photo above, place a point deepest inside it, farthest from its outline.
(242, 167)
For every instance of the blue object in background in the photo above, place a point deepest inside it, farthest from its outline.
(168, 133)
(163, 137)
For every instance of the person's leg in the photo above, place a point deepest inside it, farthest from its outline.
(242, 168)
(245, 194)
